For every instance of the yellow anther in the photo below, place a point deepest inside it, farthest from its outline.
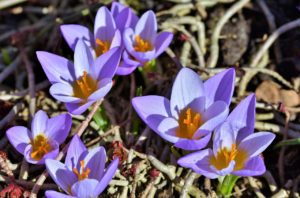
(40, 147)
(142, 45)
(189, 121)
(84, 86)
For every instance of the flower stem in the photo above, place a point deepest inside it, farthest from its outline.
(225, 187)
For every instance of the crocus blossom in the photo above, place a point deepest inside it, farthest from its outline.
(236, 149)
(194, 110)
(81, 84)
(43, 141)
(83, 174)
(142, 43)
(108, 30)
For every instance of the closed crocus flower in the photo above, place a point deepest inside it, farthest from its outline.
(194, 110)
(43, 141)
(83, 175)
(236, 149)
(142, 43)
(81, 84)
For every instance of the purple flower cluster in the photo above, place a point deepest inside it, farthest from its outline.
(194, 111)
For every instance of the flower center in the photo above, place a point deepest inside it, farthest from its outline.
(142, 45)
(225, 155)
(40, 147)
(189, 121)
(82, 174)
(84, 86)
(101, 47)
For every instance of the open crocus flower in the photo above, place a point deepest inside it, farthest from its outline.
(85, 82)
(143, 43)
(106, 35)
(236, 149)
(84, 174)
(43, 141)
(194, 110)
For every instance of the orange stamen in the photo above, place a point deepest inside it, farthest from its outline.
(101, 47)
(84, 86)
(142, 45)
(84, 173)
(189, 121)
(40, 147)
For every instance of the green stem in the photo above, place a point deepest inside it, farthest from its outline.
(225, 187)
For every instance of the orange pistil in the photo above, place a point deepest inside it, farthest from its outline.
(142, 45)
(40, 147)
(84, 173)
(84, 86)
(225, 155)
(189, 121)
(101, 47)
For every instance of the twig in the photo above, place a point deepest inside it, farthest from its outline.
(161, 167)
(61, 154)
(7, 3)
(188, 182)
(31, 84)
(142, 137)
(9, 69)
(214, 47)
(282, 150)
(255, 187)
(283, 29)
(271, 181)
(97, 139)
(272, 25)
(12, 113)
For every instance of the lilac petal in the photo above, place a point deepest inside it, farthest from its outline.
(58, 127)
(51, 155)
(191, 159)
(213, 116)
(256, 143)
(244, 116)
(61, 175)
(84, 188)
(224, 171)
(116, 40)
(116, 8)
(194, 144)
(105, 26)
(220, 87)
(75, 150)
(54, 194)
(152, 109)
(39, 123)
(83, 59)
(186, 88)
(105, 65)
(255, 166)
(108, 175)
(19, 137)
(146, 27)
(95, 161)
(104, 87)
(129, 60)
(198, 105)
(162, 41)
(166, 128)
(56, 68)
(123, 19)
(78, 108)
(224, 137)
(63, 92)
(125, 69)
(73, 32)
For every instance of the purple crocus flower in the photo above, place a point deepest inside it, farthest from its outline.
(43, 141)
(194, 110)
(84, 174)
(143, 43)
(236, 149)
(85, 82)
